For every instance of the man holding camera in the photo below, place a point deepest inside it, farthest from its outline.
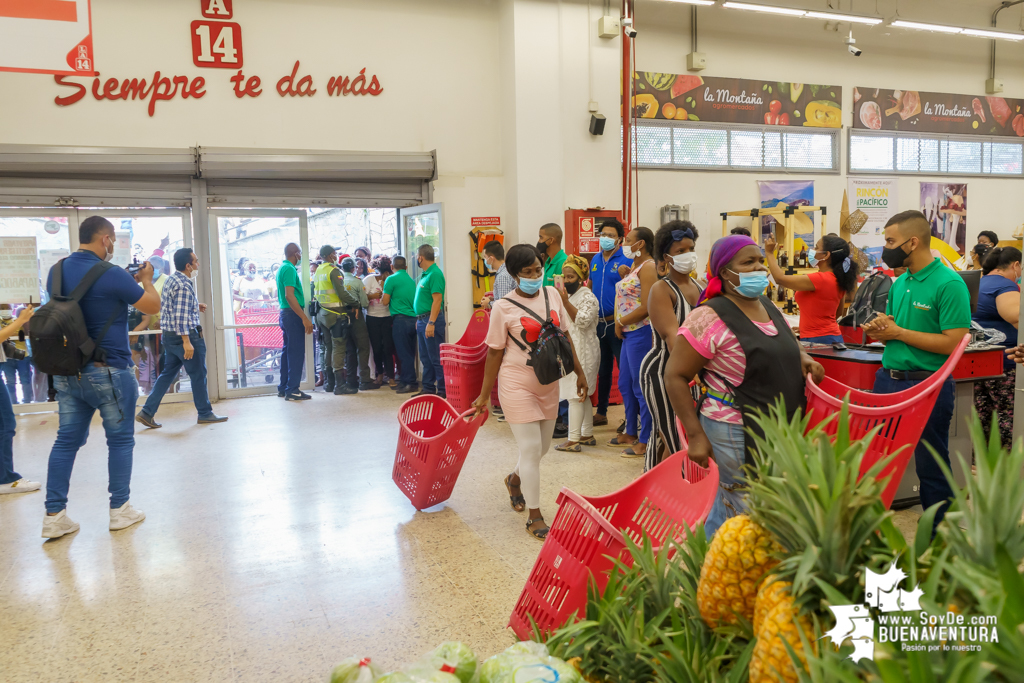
(183, 341)
(334, 319)
(107, 383)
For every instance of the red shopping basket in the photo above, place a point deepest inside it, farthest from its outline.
(476, 330)
(902, 416)
(589, 531)
(463, 374)
(260, 337)
(433, 441)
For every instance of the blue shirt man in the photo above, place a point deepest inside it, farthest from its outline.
(80, 396)
(604, 275)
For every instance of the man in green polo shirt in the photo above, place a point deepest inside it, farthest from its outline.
(550, 245)
(429, 307)
(295, 325)
(399, 297)
(928, 314)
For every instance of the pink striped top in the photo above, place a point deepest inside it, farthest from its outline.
(711, 338)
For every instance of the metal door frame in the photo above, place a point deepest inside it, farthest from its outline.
(212, 238)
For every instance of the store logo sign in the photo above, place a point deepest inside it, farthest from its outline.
(884, 596)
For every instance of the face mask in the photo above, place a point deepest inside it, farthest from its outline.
(751, 284)
(6, 315)
(630, 252)
(812, 260)
(530, 286)
(195, 274)
(685, 263)
(490, 268)
(542, 247)
(110, 252)
(607, 243)
(895, 257)
(571, 287)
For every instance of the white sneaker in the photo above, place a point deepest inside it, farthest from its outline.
(20, 486)
(59, 524)
(124, 516)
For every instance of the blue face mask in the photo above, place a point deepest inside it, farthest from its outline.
(752, 284)
(607, 243)
(530, 286)
(812, 260)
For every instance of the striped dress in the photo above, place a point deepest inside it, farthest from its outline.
(652, 374)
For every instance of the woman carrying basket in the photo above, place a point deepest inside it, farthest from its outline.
(518, 321)
(746, 356)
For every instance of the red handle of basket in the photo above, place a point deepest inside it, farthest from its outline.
(468, 414)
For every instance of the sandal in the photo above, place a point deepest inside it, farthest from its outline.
(589, 442)
(630, 453)
(518, 502)
(566, 447)
(537, 533)
(616, 442)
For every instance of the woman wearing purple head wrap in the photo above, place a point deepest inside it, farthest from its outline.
(746, 356)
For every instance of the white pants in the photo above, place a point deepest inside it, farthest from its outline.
(534, 440)
(581, 419)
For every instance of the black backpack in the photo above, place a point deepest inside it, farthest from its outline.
(60, 339)
(551, 355)
(871, 297)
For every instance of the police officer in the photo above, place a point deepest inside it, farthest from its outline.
(337, 308)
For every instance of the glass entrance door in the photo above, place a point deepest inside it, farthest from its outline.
(248, 249)
(422, 225)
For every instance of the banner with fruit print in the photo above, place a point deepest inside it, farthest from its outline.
(686, 97)
(931, 112)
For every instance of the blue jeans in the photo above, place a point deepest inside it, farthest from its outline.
(727, 444)
(824, 339)
(293, 353)
(403, 331)
(195, 366)
(14, 369)
(430, 354)
(7, 428)
(113, 392)
(934, 487)
(611, 348)
(635, 346)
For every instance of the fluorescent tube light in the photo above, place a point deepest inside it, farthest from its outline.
(832, 16)
(926, 27)
(765, 8)
(695, 2)
(981, 33)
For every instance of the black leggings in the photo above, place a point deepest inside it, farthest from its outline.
(379, 329)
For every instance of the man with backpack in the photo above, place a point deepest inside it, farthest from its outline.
(104, 379)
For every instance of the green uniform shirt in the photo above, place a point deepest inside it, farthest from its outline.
(431, 282)
(553, 267)
(931, 300)
(402, 290)
(287, 276)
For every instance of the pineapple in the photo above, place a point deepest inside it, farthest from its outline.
(771, 660)
(771, 593)
(739, 557)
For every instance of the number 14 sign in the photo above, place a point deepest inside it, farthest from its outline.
(216, 44)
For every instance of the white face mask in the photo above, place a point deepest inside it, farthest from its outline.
(628, 252)
(110, 252)
(685, 263)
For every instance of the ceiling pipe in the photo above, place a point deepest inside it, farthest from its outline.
(995, 17)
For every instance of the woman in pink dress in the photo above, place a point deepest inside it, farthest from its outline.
(530, 408)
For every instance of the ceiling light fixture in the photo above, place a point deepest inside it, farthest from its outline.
(1001, 35)
(832, 16)
(695, 2)
(765, 8)
(938, 28)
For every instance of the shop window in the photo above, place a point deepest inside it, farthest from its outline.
(911, 153)
(693, 146)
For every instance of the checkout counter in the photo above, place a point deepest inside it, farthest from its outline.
(856, 368)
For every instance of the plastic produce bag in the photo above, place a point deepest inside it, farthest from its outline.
(455, 657)
(355, 670)
(527, 662)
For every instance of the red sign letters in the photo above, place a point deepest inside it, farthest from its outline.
(216, 44)
(216, 9)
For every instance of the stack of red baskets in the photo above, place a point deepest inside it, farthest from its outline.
(464, 362)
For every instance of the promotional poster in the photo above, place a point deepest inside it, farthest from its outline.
(945, 206)
(776, 193)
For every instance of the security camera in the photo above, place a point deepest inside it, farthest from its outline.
(851, 46)
(627, 26)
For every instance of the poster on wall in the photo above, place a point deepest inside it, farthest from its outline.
(47, 37)
(48, 258)
(686, 97)
(931, 112)
(878, 200)
(19, 270)
(777, 193)
(945, 207)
